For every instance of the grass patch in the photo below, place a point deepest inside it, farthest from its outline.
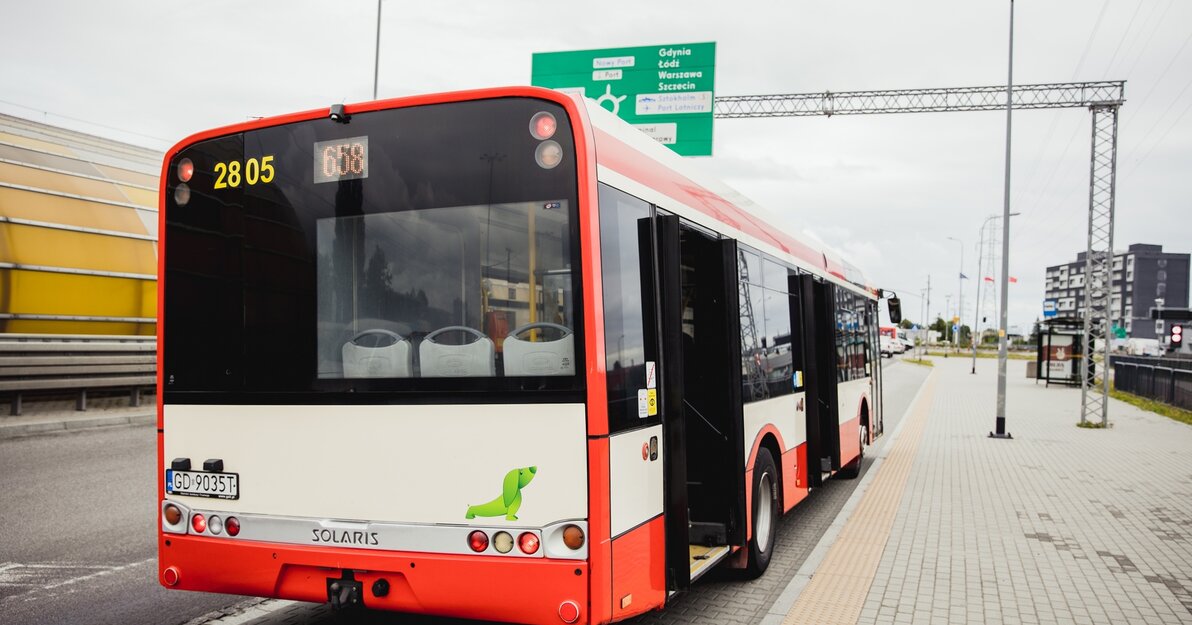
(922, 362)
(1090, 425)
(1160, 408)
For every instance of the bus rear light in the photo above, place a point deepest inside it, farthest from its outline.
(181, 194)
(503, 542)
(232, 525)
(172, 514)
(569, 611)
(478, 541)
(573, 537)
(543, 125)
(548, 155)
(215, 524)
(198, 523)
(186, 169)
(528, 543)
(170, 576)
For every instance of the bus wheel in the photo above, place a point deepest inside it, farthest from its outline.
(766, 511)
(851, 470)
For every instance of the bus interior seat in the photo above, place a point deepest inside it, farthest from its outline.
(444, 360)
(523, 357)
(376, 354)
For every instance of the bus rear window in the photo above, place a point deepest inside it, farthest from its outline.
(465, 291)
(429, 249)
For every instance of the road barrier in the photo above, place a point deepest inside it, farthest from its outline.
(38, 363)
(1167, 380)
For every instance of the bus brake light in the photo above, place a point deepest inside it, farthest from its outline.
(528, 543)
(543, 126)
(186, 169)
(199, 523)
(232, 525)
(478, 541)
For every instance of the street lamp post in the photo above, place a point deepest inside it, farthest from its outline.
(377, 52)
(1000, 423)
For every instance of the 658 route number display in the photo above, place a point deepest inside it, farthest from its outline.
(203, 484)
(340, 159)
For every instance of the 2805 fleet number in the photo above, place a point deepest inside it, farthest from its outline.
(252, 171)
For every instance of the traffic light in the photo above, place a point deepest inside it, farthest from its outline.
(1177, 335)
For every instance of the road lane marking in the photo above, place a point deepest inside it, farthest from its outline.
(37, 578)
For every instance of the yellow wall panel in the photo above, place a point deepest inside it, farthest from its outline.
(63, 210)
(47, 293)
(140, 197)
(44, 146)
(30, 245)
(124, 175)
(148, 299)
(62, 183)
(39, 326)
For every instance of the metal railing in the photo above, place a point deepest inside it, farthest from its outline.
(1167, 380)
(42, 363)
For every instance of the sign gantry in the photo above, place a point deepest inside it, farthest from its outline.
(1103, 99)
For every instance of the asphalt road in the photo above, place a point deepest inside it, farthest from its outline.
(77, 539)
(77, 532)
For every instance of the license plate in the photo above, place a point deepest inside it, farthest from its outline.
(203, 484)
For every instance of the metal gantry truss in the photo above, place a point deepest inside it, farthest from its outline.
(1102, 98)
(1098, 269)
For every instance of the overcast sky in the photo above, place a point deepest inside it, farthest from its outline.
(887, 191)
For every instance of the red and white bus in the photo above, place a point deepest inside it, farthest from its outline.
(490, 354)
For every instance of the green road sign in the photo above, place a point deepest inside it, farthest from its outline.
(666, 91)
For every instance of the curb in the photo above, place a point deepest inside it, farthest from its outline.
(58, 426)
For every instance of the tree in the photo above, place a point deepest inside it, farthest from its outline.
(906, 324)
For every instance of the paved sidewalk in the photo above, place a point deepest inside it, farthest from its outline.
(1058, 525)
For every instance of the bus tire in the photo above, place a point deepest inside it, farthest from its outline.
(851, 470)
(766, 510)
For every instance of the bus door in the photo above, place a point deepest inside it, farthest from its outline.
(819, 329)
(700, 400)
(876, 421)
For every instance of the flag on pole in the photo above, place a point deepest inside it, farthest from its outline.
(963, 277)
(989, 278)
(1013, 280)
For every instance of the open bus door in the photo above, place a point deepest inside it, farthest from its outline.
(819, 330)
(693, 288)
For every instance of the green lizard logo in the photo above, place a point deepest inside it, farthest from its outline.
(510, 499)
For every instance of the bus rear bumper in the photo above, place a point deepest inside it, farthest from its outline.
(522, 590)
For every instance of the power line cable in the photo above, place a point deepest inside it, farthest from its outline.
(1150, 37)
(1126, 32)
(1178, 98)
(1163, 75)
(1139, 162)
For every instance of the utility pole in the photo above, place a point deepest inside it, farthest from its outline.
(959, 294)
(949, 334)
(975, 333)
(927, 309)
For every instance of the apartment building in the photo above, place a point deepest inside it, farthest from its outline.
(1142, 274)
